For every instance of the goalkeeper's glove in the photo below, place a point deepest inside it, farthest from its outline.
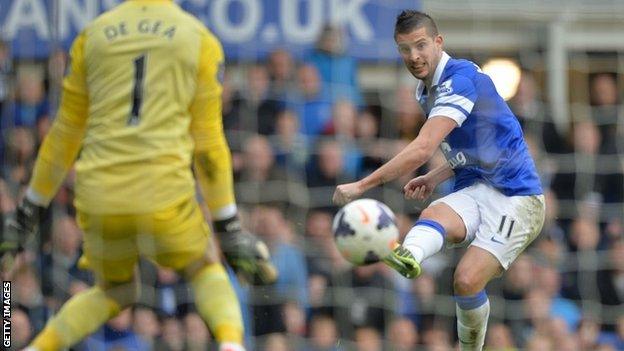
(21, 226)
(244, 252)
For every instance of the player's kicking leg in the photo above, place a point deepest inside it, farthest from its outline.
(453, 219)
(498, 227)
(437, 223)
(474, 271)
(403, 261)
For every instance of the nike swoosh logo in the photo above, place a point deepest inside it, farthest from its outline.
(365, 220)
(497, 241)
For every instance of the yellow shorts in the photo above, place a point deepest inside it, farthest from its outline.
(173, 238)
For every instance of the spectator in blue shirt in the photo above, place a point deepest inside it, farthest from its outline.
(338, 71)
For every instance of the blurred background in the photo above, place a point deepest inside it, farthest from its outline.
(315, 95)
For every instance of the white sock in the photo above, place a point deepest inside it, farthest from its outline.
(425, 239)
(472, 317)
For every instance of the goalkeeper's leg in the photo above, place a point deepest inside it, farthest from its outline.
(216, 302)
(182, 241)
(84, 313)
(110, 252)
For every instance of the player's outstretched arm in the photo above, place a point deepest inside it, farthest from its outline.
(414, 155)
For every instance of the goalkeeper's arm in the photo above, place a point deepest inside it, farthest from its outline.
(57, 153)
(62, 144)
(213, 169)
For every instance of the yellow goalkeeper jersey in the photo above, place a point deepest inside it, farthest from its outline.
(142, 94)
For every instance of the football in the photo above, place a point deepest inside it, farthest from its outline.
(365, 231)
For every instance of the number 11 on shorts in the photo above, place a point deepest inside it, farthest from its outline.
(506, 226)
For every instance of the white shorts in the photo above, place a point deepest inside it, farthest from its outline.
(502, 225)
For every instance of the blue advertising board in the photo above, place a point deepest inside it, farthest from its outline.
(248, 29)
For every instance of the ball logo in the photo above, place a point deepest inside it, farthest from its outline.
(365, 218)
(343, 228)
(384, 220)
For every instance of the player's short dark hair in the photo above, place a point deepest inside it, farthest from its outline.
(410, 20)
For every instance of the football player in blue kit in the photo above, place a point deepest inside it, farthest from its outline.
(496, 207)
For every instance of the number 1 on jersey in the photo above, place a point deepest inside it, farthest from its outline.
(137, 91)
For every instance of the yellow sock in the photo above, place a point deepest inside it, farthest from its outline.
(217, 303)
(80, 316)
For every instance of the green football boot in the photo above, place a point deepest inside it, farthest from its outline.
(403, 262)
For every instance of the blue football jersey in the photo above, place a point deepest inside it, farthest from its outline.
(488, 145)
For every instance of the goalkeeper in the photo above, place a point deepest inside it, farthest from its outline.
(140, 104)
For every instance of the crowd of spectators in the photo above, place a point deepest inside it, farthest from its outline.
(297, 128)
